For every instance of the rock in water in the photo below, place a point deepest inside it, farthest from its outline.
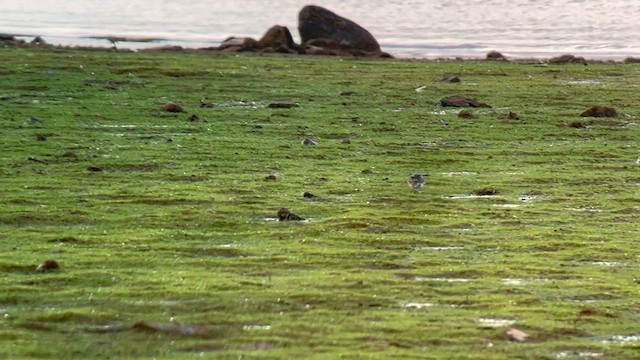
(315, 22)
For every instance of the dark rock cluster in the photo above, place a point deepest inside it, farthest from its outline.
(322, 32)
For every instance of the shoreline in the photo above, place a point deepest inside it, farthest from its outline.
(21, 41)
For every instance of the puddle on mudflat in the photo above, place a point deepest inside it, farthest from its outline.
(577, 355)
(584, 82)
(416, 305)
(438, 248)
(254, 327)
(606, 263)
(130, 126)
(520, 282)
(495, 322)
(513, 281)
(228, 245)
(622, 339)
(460, 173)
(155, 302)
(450, 280)
(585, 301)
(587, 209)
(527, 197)
(124, 126)
(241, 104)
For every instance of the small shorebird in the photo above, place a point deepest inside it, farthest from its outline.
(416, 181)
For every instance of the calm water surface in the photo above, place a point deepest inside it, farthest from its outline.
(405, 28)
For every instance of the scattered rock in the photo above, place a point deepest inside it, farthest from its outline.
(94, 169)
(346, 93)
(285, 215)
(69, 155)
(632, 60)
(451, 78)
(48, 265)
(486, 191)
(41, 137)
(495, 56)
(466, 114)
(368, 171)
(171, 107)
(509, 116)
(346, 141)
(461, 101)
(308, 195)
(270, 178)
(337, 33)
(514, 334)
(7, 40)
(416, 181)
(196, 118)
(567, 59)
(35, 159)
(600, 111)
(309, 142)
(282, 105)
(237, 44)
(38, 41)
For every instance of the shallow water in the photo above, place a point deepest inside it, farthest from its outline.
(408, 28)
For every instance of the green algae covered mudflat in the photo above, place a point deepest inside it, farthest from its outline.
(164, 223)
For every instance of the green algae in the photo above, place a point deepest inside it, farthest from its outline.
(164, 232)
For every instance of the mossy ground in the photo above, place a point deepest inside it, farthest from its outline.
(173, 225)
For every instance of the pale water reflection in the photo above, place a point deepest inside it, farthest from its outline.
(408, 28)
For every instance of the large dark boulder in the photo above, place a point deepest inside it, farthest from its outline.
(600, 111)
(567, 59)
(278, 38)
(315, 22)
